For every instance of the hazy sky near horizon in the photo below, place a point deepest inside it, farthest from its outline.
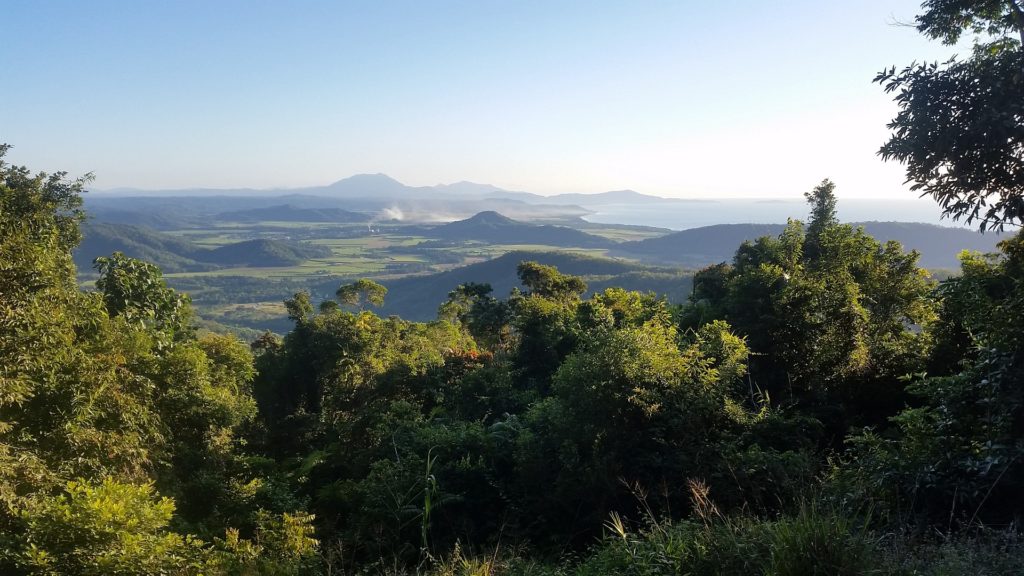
(675, 98)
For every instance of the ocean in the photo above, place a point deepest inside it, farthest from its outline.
(684, 214)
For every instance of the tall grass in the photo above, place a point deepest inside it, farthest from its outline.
(815, 539)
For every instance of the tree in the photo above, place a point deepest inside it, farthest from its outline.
(960, 125)
(485, 317)
(831, 315)
(547, 282)
(823, 204)
(360, 291)
(959, 447)
(136, 290)
(545, 320)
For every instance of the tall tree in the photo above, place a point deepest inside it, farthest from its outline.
(960, 125)
(823, 202)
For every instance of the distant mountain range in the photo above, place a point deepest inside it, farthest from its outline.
(383, 186)
(938, 245)
(358, 200)
(291, 213)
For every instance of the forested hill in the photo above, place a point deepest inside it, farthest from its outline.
(494, 228)
(174, 254)
(938, 245)
(264, 252)
(292, 213)
(417, 297)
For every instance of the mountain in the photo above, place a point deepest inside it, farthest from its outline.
(698, 246)
(373, 185)
(493, 228)
(291, 213)
(417, 297)
(465, 188)
(938, 245)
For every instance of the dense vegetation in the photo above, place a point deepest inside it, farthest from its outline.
(814, 394)
(819, 405)
(225, 267)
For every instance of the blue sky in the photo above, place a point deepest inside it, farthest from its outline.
(691, 99)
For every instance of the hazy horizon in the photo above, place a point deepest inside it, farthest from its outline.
(673, 100)
(287, 190)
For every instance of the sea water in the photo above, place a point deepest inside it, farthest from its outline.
(684, 214)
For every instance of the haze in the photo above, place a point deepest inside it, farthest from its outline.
(748, 99)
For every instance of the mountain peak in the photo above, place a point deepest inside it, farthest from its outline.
(378, 179)
(467, 188)
(490, 217)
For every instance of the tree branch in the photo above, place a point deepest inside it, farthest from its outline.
(1018, 17)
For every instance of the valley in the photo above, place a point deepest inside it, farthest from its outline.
(240, 254)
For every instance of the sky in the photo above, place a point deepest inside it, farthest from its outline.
(674, 98)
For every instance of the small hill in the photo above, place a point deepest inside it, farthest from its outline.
(174, 254)
(493, 228)
(699, 246)
(263, 252)
(938, 245)
(417, 297)
(291, 213)
(613, 197)
(170, 253)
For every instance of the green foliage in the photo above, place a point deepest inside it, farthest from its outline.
(628, 406)
(99, 529)
(282, 546)
(130, 445)
(360, 291)
(483, 316)
(834, 317)
(959, 130)
(958, 453)
(547, 282)
(947, 20)
(823, 202)
(810, 541)
(136, 291)
(106, 397)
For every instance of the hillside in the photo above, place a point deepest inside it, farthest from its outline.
(417, 297)
(170, 253)
(938, 245)
(292, 213)
(493, 228)
(174, 254)
(263, 252)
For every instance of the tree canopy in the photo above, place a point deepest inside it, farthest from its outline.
(960, 126)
